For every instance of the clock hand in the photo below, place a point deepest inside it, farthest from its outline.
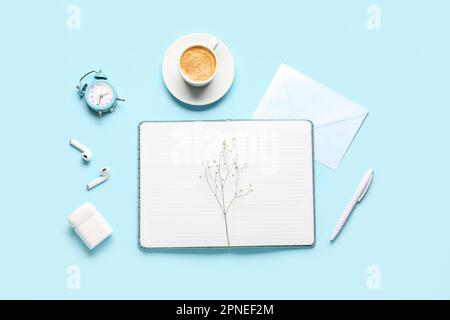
(104, 95)
(100, 96)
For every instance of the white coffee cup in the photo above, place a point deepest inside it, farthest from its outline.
(211, 47)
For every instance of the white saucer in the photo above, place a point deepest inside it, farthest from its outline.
(197, 96)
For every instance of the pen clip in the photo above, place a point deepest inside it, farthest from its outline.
(366, 188)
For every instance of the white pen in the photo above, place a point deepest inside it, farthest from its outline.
(357, 197)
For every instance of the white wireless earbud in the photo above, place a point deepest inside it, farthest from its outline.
(87, 154)
(104, 175)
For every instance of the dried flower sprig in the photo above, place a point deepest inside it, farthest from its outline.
(226, 168)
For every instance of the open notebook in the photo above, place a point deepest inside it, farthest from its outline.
(226, 183)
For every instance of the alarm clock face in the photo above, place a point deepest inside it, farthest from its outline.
(100, 96)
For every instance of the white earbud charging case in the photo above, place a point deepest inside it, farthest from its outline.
(90, 225)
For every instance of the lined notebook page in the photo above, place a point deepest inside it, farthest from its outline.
(179, 209)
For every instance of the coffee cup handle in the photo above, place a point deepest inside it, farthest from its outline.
(213, 43)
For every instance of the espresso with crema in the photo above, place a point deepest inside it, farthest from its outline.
(198, 63)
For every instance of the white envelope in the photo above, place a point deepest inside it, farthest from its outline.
(336, 119)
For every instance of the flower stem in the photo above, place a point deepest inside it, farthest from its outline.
(226, 229)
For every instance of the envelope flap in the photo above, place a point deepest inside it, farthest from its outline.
(332, 141)
(276, 102)
(313, 101)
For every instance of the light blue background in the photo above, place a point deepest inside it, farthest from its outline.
(400, 73)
